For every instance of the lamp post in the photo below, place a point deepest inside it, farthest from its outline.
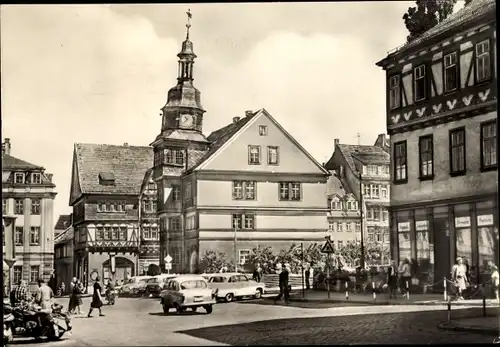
(236, 246)
(361, 209)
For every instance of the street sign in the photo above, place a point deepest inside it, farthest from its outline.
(168, 266)
(168, 259)
(327, 247)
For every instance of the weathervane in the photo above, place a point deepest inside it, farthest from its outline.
(188, 25)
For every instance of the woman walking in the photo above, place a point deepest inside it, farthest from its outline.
(459, 274)
(96, 298)
(73, 299)
(406, 277)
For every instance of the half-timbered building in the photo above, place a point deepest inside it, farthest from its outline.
(442, 122)
(106, 180)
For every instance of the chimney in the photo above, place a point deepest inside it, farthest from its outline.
(6, 146)
(248, 113)
(336, 142)
(236, 119)
(49, 177)
(125, 144)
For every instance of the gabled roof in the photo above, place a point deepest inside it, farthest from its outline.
(469, 13)
(366, 154)
(334, 187)
(146, 179)
(220, 137)
(63, 222)
(127, 164)
(12, 163)
(64, 237)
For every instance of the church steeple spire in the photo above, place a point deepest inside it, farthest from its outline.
(186, 56)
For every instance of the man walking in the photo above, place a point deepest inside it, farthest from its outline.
(392, 279)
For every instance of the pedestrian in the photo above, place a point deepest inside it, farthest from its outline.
(75, 300)
(53, 281)
(392, 279)
(307, 275)
(63, 289)
(44, 295)
(495, 280)
(22, 294)
(406, 277)
(459, 275)
(257, 273)
(96, 298)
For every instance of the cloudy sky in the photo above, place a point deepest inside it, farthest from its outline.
(100, 73)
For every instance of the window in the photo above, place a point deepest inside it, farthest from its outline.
(188, 191)
(99, 233)
(383, 192)
(419, 82)
(151, 186)
(450, 72)
(262, 130)
(348, 226)
(19, 207)
(175, 224)
(376, 215)
(18, 273)
(157, 159)
(400, 168)
(289, 191)
(489, 145)
(425, 148)
(351, 206)
(358, 226)
(331, 226)
(339, 227)
(154, 233)
(36, 178)
(375, 191)
(336, 204)
(369, 214)
(243, 221)
(272, 155)
(244, 190)
(457, 151)
(174, 157)
(4, 206)
(367, 192)
(35, 206)
(395, 92)
(483, 64)
(19, 236)
(340, 244)
(244, 254)
(385, 215)
(254, 155)
(19, 177)
(176, 192)
(123, 234)
(34, 273)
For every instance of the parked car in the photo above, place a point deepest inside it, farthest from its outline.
(156, 284)
(135, 285)
(187, 291)
(231, 285)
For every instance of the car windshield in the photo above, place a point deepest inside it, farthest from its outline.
(217, 279)
(193, 284)
(153, 280)
(142, 281)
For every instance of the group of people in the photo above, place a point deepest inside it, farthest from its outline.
(75, 300)
(399, 276)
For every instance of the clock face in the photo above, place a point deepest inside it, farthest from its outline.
(186, 120)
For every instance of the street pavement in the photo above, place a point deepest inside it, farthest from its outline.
(140, 321)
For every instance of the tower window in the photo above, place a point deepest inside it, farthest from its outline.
(174, 157)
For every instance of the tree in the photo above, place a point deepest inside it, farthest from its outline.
(373, 253)
(213, 261)
(426, 15)
(153, 270)
(262, 255)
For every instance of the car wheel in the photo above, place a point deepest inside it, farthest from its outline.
(194, 308)
(258, 293)
(165, 308)
(229, 297)
(209, 308)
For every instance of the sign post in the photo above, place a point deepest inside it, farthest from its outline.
(168, 263)
(328, 249)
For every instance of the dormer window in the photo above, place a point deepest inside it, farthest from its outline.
(106, 179)
(352, 206)
(19, 177)
(174, 157)
(336, 204)
(36, 178)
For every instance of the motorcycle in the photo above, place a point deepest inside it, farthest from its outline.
(110, 296)
(31, 321)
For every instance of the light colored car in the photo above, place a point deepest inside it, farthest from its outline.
(135, 285)
(231, 285)
(156, 284)
(187, 291)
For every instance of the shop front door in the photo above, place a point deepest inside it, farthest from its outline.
(442, 266)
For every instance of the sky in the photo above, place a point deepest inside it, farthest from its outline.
(100, 73)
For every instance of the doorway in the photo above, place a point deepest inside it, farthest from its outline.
(442, 266)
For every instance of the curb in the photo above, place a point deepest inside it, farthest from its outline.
(469, 329)
(385, 302)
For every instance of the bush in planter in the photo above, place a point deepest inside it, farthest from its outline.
(264, 257)
(213, 261)
(153, 270)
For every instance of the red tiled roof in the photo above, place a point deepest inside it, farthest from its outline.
(63, 222)
(475, 9)
(126, 163)
(12, 163)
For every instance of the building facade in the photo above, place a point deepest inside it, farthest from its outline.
(62, 224)
(28, 195)
(106, 180)
(246, 184)
(64, 249)
(344, 215)
(364, 172)
(149, 230)
(442, 122)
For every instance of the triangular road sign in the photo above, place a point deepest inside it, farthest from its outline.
(327, 247)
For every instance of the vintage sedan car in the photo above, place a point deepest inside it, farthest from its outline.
(187, 291)
(135, 285)
(156, 284)
(231, 285)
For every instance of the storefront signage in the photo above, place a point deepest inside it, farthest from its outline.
(404, 227)
(484, 220)
(422, 225)
(462, 222)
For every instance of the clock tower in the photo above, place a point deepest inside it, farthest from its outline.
(176, 149)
